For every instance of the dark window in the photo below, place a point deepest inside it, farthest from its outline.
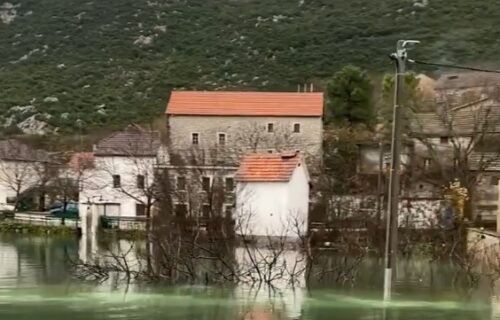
(494, 181)
(140, 181)
(206, 211)
(11, 200)
(181, 183)
(195, 138)
(228, 211)
(205, 184)
(116, 181)
(296, 127)
(140, 209)
(229, 184)
(269, 150)
(444, 140)
(181, 209)
(222, 139)
(270, 127)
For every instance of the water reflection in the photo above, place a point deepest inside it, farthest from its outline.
(35, 284)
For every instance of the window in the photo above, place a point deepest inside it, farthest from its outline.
(11, 200)
(296, 128)
(205, 210)
(228, 210)
(444, 140)
(140, 209)
(269, 150)
(427, 163)
(229, 184)
(270, 127)
(494, 181)
(205, 184)
(116, 181)
(181, 183)
(140, 181)
(222, 139)
(181, 210)
(195, 138)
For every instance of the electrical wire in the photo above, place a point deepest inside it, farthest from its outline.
(453, 66)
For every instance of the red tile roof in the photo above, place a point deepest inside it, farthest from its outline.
(232, 103)
(267, 167)
(81, 160)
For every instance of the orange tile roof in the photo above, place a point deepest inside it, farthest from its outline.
(81, 160)
(267, 167)
(232, 103)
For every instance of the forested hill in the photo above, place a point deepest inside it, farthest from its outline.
(111, 62)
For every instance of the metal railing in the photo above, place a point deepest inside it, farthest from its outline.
(43, 219)
(124, 223)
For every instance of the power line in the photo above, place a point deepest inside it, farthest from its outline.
(453, 66)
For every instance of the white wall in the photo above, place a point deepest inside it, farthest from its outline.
(11, 171)
(97, 184)
(270, 208)
(298, 199)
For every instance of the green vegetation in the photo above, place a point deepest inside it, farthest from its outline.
(9, 225)
(83, 52)
(349, 96)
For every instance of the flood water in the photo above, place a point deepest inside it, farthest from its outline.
(35, 283)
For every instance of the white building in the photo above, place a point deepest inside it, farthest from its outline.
(121, 182)
(272, 195)
(21, 169)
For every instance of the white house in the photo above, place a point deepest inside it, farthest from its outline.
(272, 195)
(121, 181)
(21, 168)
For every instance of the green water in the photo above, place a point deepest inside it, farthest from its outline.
(35, 283)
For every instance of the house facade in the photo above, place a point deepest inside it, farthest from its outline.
(121, 180)
(21, 168)
(459, 142)
(272, 195)
(226, 125)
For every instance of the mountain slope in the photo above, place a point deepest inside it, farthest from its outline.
(113, 62)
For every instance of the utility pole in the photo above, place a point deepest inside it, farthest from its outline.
(379, 182)
(391, 240)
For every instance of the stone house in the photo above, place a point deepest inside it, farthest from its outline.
(458, 141)
(272, 195)
(222, 126)
(454, 87)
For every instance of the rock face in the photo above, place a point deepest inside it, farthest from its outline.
(8, 12)
(31, 125)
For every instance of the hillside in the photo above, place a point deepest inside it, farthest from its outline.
(113, 62)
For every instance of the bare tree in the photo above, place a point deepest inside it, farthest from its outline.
(21, 167)
(457, 142)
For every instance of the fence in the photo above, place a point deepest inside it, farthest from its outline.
(41, 219)
(124, 223)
